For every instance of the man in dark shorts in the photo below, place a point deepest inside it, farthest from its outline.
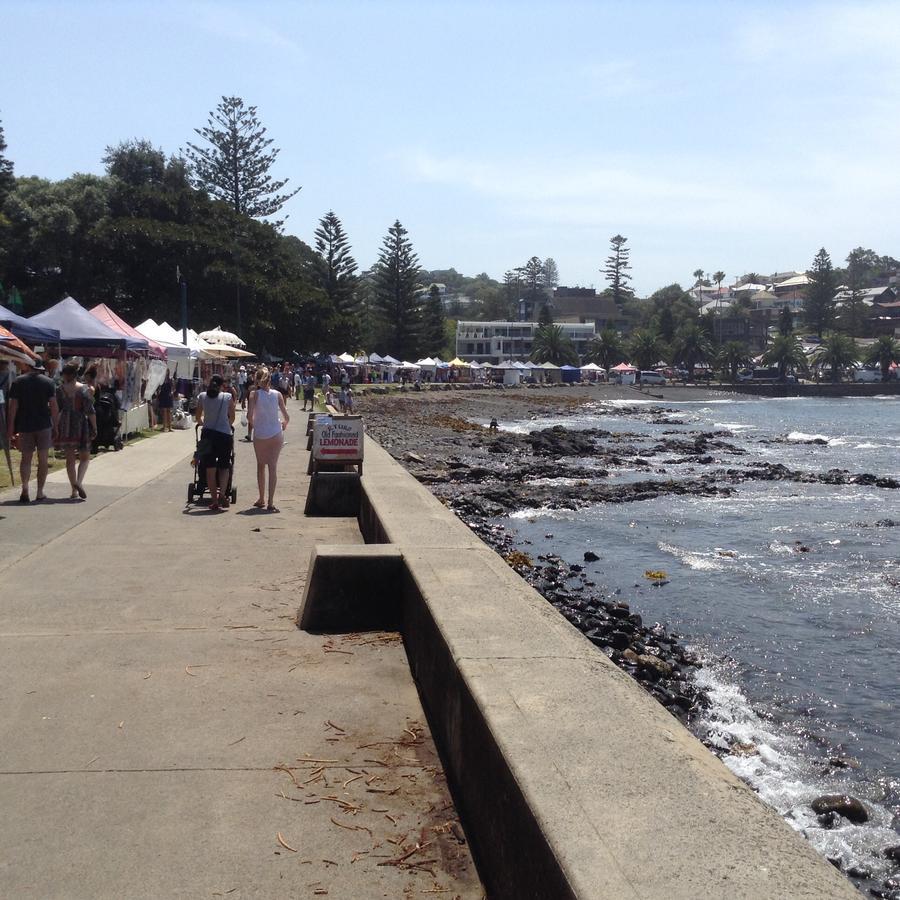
(32, 422)
(309, 391)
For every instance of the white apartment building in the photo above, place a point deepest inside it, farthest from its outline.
(495, 341)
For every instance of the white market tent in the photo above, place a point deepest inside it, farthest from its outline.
(180, 357)
(389, 360)
(592, 367)
(347, 358)
(375, 358)
(409, 365)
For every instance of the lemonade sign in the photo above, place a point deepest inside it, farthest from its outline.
(338, 439)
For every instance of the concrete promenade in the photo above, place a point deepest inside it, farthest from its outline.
(153, 680)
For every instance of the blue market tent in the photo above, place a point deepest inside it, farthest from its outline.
(570, 374)
(25, 330)
(81, 334)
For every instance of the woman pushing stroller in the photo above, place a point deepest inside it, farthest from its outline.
(215, 415)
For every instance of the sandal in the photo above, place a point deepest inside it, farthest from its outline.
(81, 492)
(213, 507)
(271, 508)
(259, 504)
(24, 498)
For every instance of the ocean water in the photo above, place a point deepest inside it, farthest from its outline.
(790, 593)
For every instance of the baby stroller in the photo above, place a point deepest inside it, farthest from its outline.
(106, 407)
(198, 486)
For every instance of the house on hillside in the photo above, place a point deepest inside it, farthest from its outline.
(584, 305)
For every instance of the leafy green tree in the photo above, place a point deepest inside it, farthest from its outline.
(235, 165)
(785, 320)
(837, 352)
(7, 179)
(691, 346)
(786, 353)
(545, 317)
(819, 307)
(732, 356)
(433, 337)
(882, 353)
(333, 271)
(396, 280)
(606, 349)
(644, 348)
(852, 315)
(552, 345)
(616, 269)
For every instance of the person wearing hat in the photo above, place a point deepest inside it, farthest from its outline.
(242, 386)
(32, 422)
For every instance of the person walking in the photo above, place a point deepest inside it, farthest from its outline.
(165, 401)
(298, 383)
(242, 386)
(215, 415)
(77, 427)
(32, 420)
(309, 391)
(268, 417)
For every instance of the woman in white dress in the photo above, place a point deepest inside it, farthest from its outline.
(267, 416)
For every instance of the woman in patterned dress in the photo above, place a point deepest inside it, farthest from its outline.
(77, 427)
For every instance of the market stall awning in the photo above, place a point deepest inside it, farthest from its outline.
(456, 361)
(14, 348)
(623, 367)
(81, 334)
(592, 367)
(224, 351)
(25, 330)
(102, 312)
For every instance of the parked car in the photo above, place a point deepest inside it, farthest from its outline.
(866, 374)
(652, 378)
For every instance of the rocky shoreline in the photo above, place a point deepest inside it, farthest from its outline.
(484, 474)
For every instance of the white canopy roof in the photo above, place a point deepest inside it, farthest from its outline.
(390, 359)
(427, 361)
(409, 365)
(347, 358)
(592, 367)
(547, 365)
(375, 358)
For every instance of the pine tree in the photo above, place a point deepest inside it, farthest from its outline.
(7, 179)
(819, 307)
(396, 277)
(545, 317)
(533, 277)
(616, 269)
(433, 336)
(333, 270)
(235, 166)
(551, 274)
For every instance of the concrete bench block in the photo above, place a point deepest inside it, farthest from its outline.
(352, 588)
(333, 494)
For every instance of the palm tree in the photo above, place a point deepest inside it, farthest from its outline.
(698, 283)
(691, 346)
(732, 356)
(552, 345)
(786, 353)
(644, 348)
(837, 351)
(882, 353)
(606, 349)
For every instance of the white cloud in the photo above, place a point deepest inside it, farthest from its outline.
(235, 24)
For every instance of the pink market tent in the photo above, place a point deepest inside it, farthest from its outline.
(623, 367)
(102, 312)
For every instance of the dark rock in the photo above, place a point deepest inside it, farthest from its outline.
(892, 853)
(858, 872)
(590, 556)
(829, 820)
(842, 804)
(619, 640)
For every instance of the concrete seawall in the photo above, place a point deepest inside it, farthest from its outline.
(570, 779)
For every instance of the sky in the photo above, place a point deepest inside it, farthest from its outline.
(733, 136)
